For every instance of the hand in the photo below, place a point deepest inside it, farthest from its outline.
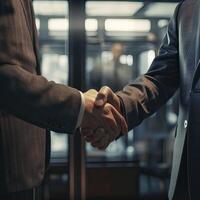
(106, 119)
(104, 96)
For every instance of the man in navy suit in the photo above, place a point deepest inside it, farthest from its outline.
(177, 66)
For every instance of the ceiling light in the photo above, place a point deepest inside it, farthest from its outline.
(91, 24)
(62, 24)
(127, 25)
(112, 8)
(59, 8)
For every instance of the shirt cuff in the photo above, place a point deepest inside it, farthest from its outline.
(81, 112)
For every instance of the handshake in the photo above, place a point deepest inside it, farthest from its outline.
(103, 121)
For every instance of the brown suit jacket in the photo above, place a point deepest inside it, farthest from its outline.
(29, 103)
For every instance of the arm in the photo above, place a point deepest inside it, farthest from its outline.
(153, 89)
(150, 91)
(53, 106)
(38, 101)
(31, 97)
(23, 93)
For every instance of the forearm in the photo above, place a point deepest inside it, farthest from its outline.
(141, 99)
(150, 91)
(38, 101)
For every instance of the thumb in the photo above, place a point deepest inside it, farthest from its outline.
(103, 96)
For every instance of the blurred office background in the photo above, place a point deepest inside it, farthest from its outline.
(122, 39)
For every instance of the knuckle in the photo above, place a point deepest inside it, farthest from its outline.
(105, 89)
(102, 93)
(108, 106)
(106, 110)
(99, 131)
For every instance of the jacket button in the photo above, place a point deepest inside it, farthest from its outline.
(185, 124)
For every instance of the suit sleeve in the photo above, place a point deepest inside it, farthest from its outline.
(38, 101)
(150, 91)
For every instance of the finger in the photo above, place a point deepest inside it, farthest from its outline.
(120, 120)
(86, 132)
(102, 96)
(96, 136)
(106, 95)
(101, 143)
(91, 92)
(114, 129)
(89, 139)
(104, 146)
(99, 134)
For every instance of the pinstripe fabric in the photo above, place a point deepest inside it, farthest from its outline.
(23, 154)
(29, 97)
(22, 145)
(16, 38)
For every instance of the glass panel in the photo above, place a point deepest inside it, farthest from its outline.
(160, 9)
(52, 17)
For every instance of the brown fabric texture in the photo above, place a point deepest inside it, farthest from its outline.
(29, 103)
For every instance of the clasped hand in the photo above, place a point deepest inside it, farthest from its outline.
(103, 121)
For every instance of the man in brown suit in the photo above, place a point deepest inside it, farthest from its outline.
(29, 104)
(177, 66)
